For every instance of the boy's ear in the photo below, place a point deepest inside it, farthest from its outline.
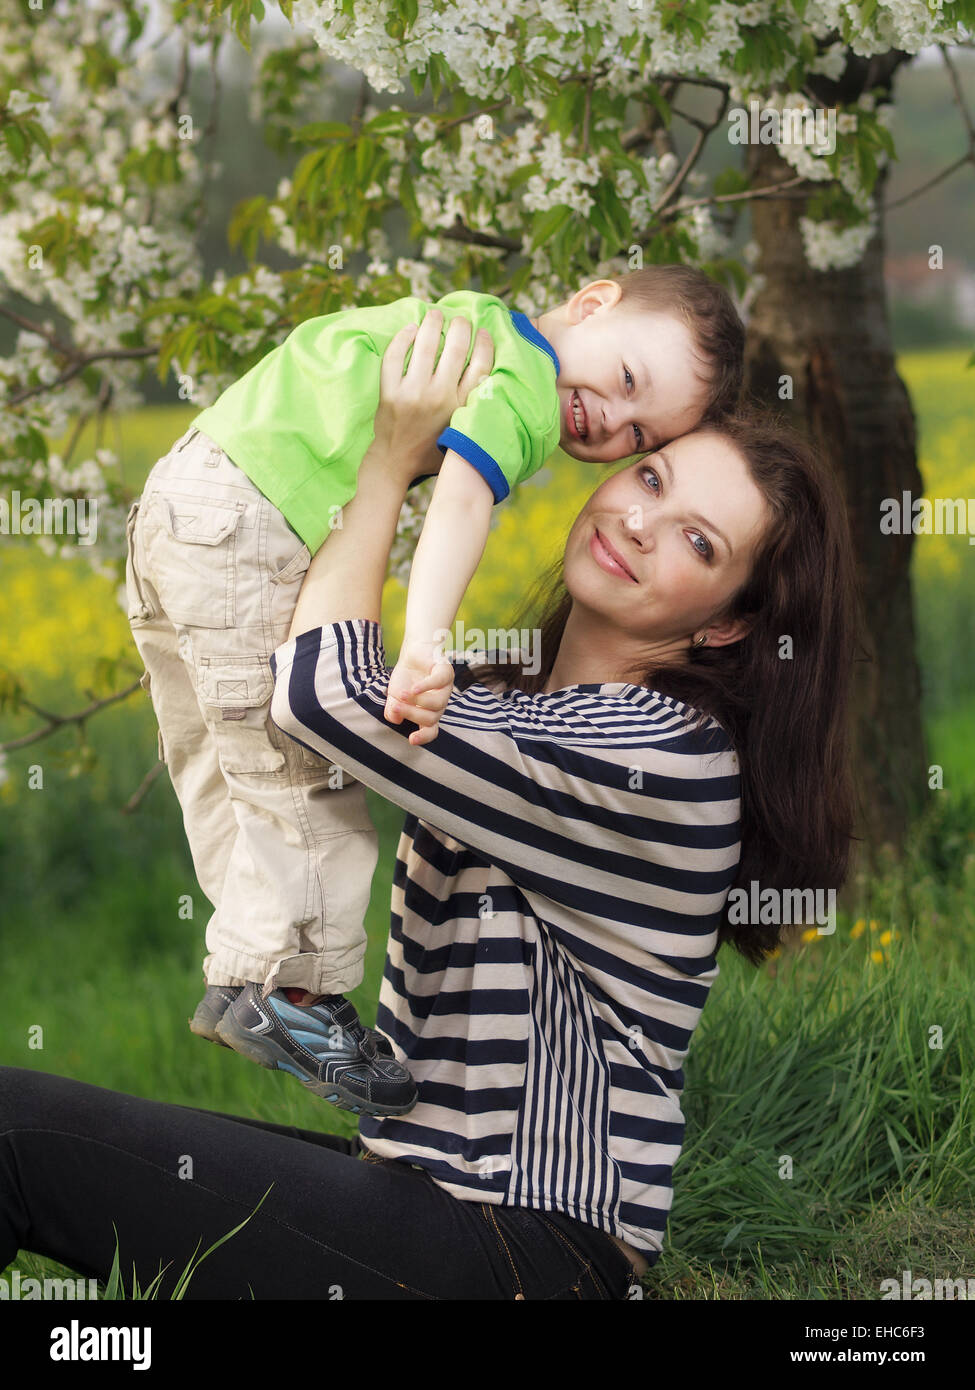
(598, 294)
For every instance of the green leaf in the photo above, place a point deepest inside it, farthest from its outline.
(730, 180)
(11, 690)
(322, 130)
(617, 214)
(895, 1149)
(656, 99)
(16, 143)
(365, 152)
(735, 1231)
(387, 120)
(548, 223)
(39, 134)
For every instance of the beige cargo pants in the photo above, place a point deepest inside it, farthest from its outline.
(282, 842)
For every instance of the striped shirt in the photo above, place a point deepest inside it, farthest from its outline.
(558, 888)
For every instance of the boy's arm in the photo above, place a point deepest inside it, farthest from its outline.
(450, 547)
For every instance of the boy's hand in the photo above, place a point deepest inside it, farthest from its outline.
(419, 689)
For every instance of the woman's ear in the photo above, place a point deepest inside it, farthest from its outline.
(723, 631)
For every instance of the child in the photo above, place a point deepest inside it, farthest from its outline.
(225, 530)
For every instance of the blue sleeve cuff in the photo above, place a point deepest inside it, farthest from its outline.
(478, 458)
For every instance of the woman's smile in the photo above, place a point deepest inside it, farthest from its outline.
(610, 560)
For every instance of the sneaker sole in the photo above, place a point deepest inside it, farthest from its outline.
(200, 1030)
(269, 1054)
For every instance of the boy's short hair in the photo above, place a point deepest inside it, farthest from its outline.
(708, 310)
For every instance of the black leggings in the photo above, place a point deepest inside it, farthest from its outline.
(76, 1158)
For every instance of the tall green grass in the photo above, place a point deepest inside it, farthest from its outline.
(821, 1056)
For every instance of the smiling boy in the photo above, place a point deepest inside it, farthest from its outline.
(284, 850)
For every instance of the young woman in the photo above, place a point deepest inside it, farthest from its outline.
(559, 896)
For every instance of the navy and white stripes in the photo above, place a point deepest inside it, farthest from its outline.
(558, 888)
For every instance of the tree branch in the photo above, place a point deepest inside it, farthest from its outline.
(968, 158)
(59, 721)
(772, 191)
(138, 796)
(460, 232)
(79, 365)
(704, 130)
(473, 115)
(42, 332)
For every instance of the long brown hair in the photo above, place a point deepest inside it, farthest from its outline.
(781, 692)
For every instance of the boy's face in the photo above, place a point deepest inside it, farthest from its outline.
(629, 379)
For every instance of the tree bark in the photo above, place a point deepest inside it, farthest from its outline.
(829, 332)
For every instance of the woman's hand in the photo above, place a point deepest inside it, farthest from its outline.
(416, 406)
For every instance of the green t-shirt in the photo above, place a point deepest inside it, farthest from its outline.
(300, 421)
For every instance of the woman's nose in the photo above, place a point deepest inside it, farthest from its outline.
(638, 526)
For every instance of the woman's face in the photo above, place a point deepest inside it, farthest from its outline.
(661, 547)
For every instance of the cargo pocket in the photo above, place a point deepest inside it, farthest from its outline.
(190, 547)
(236, 693)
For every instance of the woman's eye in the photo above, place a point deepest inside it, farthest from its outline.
(704, 548)
(629, 379)
(649, 473)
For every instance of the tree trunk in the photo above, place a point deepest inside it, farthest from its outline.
(828, 331)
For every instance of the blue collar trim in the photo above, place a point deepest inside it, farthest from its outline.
(528, 330)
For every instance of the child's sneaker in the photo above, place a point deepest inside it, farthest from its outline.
(211, 1010)
(217, 1001)
(324, 1045)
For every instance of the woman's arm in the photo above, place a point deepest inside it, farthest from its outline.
(617, 784)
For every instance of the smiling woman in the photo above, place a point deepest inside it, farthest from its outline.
(719, 572)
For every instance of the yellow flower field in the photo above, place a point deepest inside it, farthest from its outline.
(60, 617)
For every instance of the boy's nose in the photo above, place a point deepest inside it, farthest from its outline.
(612, 418)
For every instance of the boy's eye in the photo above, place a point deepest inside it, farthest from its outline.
(637, 432)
